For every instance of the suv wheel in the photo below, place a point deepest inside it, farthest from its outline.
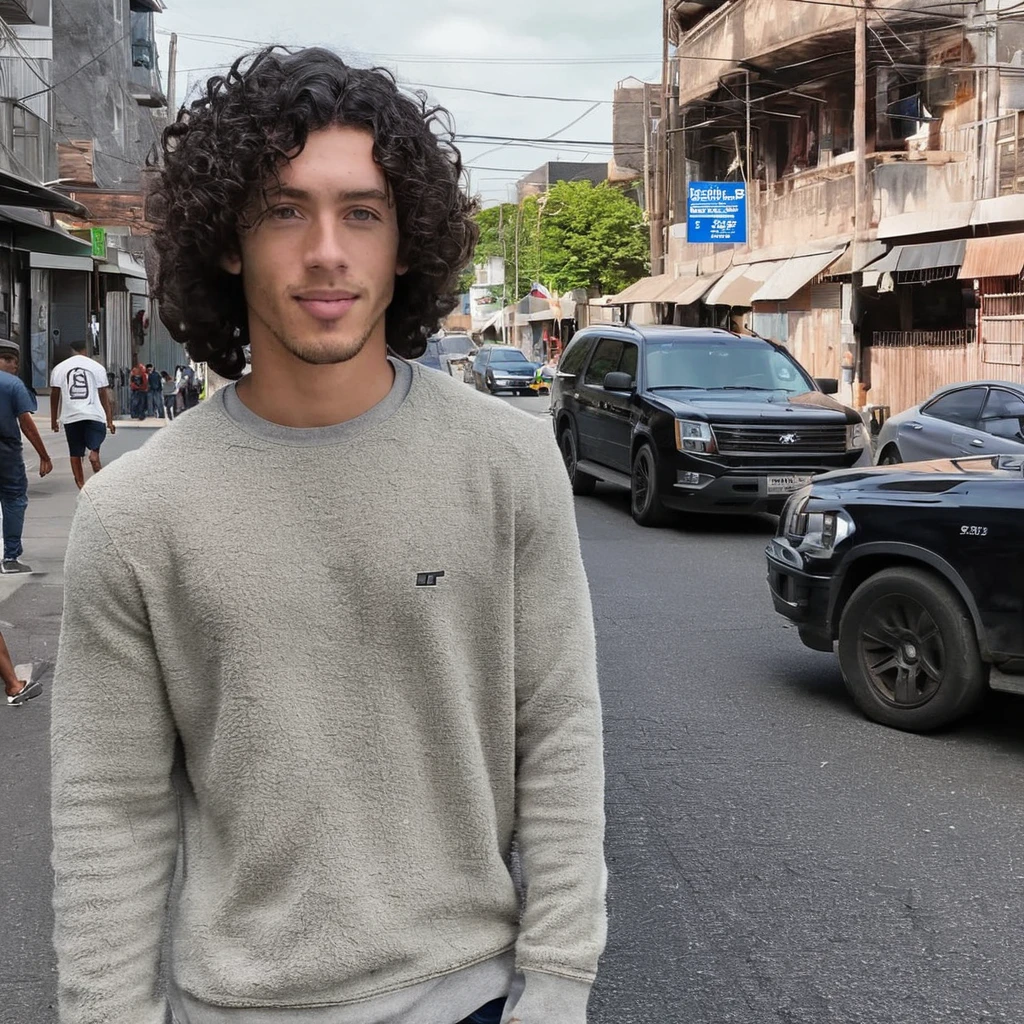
(645, 502)
(908, 651)
(582, 483)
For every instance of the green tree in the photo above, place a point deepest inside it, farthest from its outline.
(576, 236)
(593, 237)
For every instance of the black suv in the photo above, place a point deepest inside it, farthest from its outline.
(918, 572)
(696, 419)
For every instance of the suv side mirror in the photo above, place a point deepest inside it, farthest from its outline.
(828, 385)
(619, 382)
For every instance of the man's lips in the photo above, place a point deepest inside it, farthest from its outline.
(326, 305)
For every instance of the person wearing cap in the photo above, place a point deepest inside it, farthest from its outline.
(17, 404)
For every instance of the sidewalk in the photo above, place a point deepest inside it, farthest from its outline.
(30, 614)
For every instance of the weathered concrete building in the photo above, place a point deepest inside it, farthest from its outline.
(110, 111)
(880, 154)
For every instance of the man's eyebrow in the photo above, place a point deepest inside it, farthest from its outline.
(346, 195)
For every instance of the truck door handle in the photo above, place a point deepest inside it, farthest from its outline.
(978, 443)
(916, 426)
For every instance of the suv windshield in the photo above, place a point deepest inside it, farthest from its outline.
(733, 364)
(507, 356)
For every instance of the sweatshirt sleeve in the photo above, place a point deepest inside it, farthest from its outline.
(559, 763)
(114, 808)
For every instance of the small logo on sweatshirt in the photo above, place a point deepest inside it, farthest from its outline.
(428, 579)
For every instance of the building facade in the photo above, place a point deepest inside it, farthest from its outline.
(879, 152)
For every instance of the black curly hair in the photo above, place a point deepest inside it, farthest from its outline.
(231, 142)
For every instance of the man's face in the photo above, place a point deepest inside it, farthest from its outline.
(319, 263)
(9, 362)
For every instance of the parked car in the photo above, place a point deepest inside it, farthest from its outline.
(448, 353)
(975, 418)
(917, 573)
(696, 419)
(503, 368)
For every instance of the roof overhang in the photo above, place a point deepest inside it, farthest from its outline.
(996, 256)
(32, 232)
(15, 191)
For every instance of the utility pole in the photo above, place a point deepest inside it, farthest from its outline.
(661, 159)
(860, 98)
(991, 128)
(851, 346)
(172, 77)
(748, 177)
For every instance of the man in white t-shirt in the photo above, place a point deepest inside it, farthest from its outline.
(80, 394)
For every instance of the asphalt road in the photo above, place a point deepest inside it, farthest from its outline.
(773, 857)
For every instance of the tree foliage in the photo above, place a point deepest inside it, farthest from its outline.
(575, 236)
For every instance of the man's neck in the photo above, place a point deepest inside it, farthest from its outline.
(290, 393)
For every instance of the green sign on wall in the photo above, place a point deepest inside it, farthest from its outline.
(99, 242)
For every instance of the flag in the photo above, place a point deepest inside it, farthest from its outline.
(538, 291)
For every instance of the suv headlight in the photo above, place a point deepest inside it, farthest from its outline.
(695, 436)
(855, 436)
(816, 532)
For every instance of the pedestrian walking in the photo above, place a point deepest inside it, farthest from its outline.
(365, 716)
(170, 394)
(17, 691)
(156, 392)
(17, 404)
(80, 403)
(138, 385)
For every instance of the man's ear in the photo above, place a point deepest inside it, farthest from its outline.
(232, 263)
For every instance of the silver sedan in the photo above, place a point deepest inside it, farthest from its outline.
(972, 418)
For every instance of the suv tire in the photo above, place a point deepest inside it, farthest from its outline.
(908, 651)
(582, 483)
(644, 499)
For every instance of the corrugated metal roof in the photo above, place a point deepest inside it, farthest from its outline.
(929, 256)
(686, 291)
(738, 286)
(932, 255)
(1000, 256)
(792, 275)
(647, 289)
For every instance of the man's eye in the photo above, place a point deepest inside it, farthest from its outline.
(364, 215)
(284, 213)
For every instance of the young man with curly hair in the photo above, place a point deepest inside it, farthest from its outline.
(288, 706)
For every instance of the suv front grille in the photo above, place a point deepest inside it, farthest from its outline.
(781, 438)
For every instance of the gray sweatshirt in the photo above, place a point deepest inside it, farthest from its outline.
(368, 651)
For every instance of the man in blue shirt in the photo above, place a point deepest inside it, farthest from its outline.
(17, 404)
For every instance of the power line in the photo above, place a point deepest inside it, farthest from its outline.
(57, 85)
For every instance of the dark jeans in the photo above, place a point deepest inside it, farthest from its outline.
(488, 1014)
(13, 501)
(140, 399)
(171, 405)
(156, 404)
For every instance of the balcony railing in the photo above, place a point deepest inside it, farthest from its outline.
(906, 339)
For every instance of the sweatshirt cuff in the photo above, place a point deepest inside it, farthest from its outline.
(538, 998)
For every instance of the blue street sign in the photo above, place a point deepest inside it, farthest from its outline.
(716, 211)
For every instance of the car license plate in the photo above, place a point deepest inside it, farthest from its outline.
(787, 484)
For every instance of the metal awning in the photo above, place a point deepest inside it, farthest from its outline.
(793, 275)
(32, 232)
(15, 191)
(684, 291)
(999, 256)
(51, 261)
(928, 256)
(647, 289)
(738, 285)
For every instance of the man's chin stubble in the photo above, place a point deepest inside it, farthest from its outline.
(329, 353)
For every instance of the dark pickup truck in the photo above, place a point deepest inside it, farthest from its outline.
(916, 571)
(696, 420)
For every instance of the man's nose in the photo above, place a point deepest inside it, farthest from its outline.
(327, 246)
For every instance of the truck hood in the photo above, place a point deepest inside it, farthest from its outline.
(751, 406)
(931, 477)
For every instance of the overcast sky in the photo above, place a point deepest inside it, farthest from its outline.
(575, 49)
